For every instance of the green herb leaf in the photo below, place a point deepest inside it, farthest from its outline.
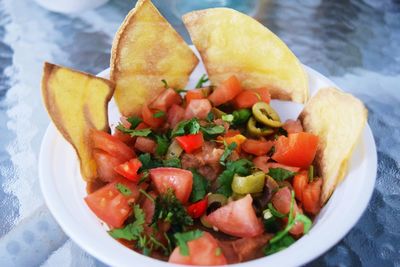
(224, 180)
(146, 195)
(311, 174)
(174, 162)
(165, 83)
(282, 131)
(162, 144)
(241, 116)
(123, 189)
(210, 116)
(211, 131)
(133, 230)
(203, 79)
(148, 162)
(134, 121)
(305, 220)
(199, 188)
(227, 117)
(169, 208)
(180, 90)
(191, 126)
(227, 152)
(183, 238)
(289, 225)
(283, 243)
(141, 132)
(274, 212)
(280, 174)
(159, 114)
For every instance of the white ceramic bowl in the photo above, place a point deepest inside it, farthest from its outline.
(64, 190)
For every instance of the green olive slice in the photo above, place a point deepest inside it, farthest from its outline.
(217, 198)
(266, 115)
(254, 130)
(253, 183)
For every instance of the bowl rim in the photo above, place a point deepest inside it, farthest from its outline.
(329, 240)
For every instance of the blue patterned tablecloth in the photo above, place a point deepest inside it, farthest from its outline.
(355, 43)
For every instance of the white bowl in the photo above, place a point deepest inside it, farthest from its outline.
(64, 190)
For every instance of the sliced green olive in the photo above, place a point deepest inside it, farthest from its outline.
(217, 198)
(204, 221)
(254, 130)
(266, 115)
(253, 183)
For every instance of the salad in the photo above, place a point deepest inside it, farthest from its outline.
(206, 177)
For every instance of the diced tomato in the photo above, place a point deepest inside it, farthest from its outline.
(292, 126)
(257, 147)
(148, 117)
(105, 165)
(165, 100)
(282, 166)
(311, 197)
(126, 138)
(198, 108)
(190, 142)
(111, 145)
(179, 180)
(237, 218)
(296, 150)
(226, 91)
(239, 139)
(300, 181)
(261, 162)
(148, 207)
(281, 200)
(175, 115)
(247, 98)
(202, 251)
(145, 145)
(231, 133)
(196, 210)
(200, 93)
(130, 169)
(110, 205)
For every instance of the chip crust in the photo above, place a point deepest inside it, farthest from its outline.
(77, 102)
(232, 43)
(145, 50)
(338, 119)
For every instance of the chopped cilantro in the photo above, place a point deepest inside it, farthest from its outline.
(159, 114)
(199, 188)
(203, 79)
(123, 189)
(148, 162)
(174, 162)
(282, 131)
(134, 121)
(227, 117)
(274, 212)
(146, 195)
(210, 116)
(183, 238)
(165, 83)
(283, 243)
(224, 180)
(211, 131)
(141, 132)
(280, 174)
(191, 126)
(180, 90)
(169, 208)
(133, 230)
(162, 144)
(227, 152)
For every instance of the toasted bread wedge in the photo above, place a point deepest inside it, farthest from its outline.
(338, 119)
(146, 49)
(77, 102)
(232, 43)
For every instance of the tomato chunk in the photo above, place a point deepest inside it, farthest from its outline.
(175, 115)
(237, 218)
(105, 165)
(148, 117)
(226, 91)
(300, 181)
(110, 205)
(203, 251)
(145, 145)
(296, 150)
(179, 180)
(257, 147)
(112, 145)
(196, 210)
(247, 98)
(129, 169)
(165, 100)
(311, 197)
(196, 94)
(292, 126)
(190, 142)
(198, 108)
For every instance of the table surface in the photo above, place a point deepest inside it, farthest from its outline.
(354, 43)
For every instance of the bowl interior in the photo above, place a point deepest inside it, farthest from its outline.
(64, 190)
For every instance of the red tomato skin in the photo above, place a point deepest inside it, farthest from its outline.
(297, 149)
(226, 91)
(165, 100)
(292, 126)
(300, 181)
(198, 108)
(196, 210)
(110, 205)
(148, 117)
(126, 138)
(111, 145)
(130, 169)
(194, 94)
(247, 98)
(261, 162)
(281, 200)
(190, 142)
(145, 145)
(202, 251)
(175, 115)
(179, 180)
(237, 218)
(148, 207)
(311, 197)
(105, 165)
(257, 147)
